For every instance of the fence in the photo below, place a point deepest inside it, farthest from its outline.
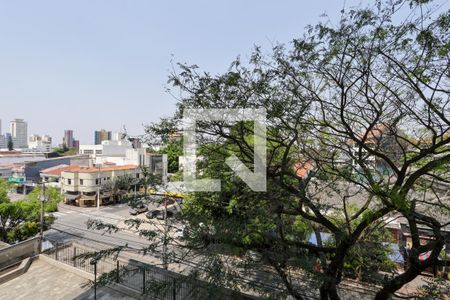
(148, 280)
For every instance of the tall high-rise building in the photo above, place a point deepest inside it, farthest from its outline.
(19, 133)
(102, 135)
(68, 138)
(2, 137)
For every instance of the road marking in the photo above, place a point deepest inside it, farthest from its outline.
(58, 214)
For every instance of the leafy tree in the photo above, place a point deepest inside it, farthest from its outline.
(173, 150)
(20, 220)
(10, 144)
(54, 198)
(65, 151)
(371, 91)
(4, 187)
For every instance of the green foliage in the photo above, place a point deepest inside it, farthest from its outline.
(4, 187)
(10, 144)
(24, 231)
(369, 256)
(173, 150)
(323, 97)
(16, 220)
(434, 289)
(54, 198)
(65, 151)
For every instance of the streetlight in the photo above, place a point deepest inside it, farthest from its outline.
(94, 263)
(43, 198)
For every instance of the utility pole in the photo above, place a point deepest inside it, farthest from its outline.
(99, 179)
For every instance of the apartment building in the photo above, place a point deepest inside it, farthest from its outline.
(19, 133)
(40, 143)
(82, 186)
(102, 135)
(122, 153)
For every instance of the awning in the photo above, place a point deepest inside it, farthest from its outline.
(71, 197)
(424, 256)
(84, 198)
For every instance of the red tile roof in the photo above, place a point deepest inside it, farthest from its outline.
(102, 169)
(301, 168)
(79, 169)
(8, 167)
(10, 152)
(56, 171)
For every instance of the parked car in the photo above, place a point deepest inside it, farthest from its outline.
(158, 214)
(138, 209)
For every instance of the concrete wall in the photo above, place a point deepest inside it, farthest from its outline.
(15, 253)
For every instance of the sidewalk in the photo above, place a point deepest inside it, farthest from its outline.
(43, 281)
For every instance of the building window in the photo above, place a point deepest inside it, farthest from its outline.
(137, 175)
(69, 181)
(96, 181)
(81, 181)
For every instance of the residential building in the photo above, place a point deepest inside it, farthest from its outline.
(68, 138)
(76, 144)
(106, 148)
(117, 136)
(102, 135)
(19, 133)
(40, 143)
(83, 186)
(6, 172)
(3, 141)
(122, 153)
(32, 169)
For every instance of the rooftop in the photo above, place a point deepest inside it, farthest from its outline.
(56, 171)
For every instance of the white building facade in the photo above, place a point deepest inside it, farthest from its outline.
(19, 133)
(121, 153)
(40, 143)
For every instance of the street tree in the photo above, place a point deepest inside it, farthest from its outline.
(10, 144)
(358, 124)
(366, 103)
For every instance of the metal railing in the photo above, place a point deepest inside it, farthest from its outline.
(145, 279)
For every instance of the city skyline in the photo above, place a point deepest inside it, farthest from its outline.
(106, 66)
(55, 140)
